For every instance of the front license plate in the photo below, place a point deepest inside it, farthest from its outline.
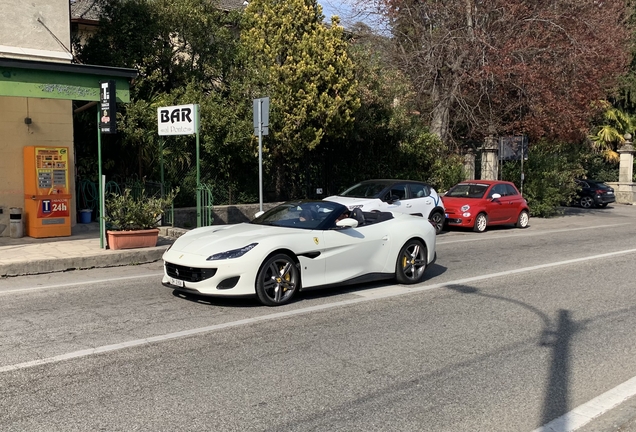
(610, 193)
(175, 282)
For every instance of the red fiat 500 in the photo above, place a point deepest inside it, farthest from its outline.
(477, 204)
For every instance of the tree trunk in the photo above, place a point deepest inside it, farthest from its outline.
(441, 110)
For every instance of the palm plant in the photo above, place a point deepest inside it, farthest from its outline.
(609, 135)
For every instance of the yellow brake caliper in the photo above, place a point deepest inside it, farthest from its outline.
(287, 277)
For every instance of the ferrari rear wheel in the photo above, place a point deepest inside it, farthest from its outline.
(481, 222)
(278, 280)
(411, 262)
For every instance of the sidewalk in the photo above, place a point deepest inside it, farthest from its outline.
(27, 255)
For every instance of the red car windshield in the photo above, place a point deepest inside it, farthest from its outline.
(467, 190)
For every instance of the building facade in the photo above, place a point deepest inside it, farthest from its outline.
(38, 84)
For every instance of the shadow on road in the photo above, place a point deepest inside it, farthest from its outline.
(555, 403)
(555, 337)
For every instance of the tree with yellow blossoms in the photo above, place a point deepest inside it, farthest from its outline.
(301, 63)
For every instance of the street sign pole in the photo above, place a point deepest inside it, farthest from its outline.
(182, 120)
(260, 154)
(99, 180)
(196, 131)
(261, 127)
(522, 175)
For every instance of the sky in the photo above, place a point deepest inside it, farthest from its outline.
(334, 7)
(345, 10)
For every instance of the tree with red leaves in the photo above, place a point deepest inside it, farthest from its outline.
(510, 66)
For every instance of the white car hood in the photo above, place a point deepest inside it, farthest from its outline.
(366, 204)
(209, 240)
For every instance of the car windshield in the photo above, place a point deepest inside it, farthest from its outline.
(301, 214)
(367, 189)
(467, 190)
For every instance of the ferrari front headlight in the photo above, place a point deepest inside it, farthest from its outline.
(234, 253)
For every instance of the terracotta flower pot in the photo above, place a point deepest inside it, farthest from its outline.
(132, 239)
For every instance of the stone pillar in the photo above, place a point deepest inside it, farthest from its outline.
(469, 164)
(490, 158)
(626, 193)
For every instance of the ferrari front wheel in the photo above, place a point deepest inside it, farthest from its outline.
(278, 280)
(411, 262)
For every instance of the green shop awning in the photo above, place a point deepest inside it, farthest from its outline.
(38, 79)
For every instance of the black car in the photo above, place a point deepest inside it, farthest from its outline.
(594, 194)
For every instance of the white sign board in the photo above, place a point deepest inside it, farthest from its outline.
(178, 120)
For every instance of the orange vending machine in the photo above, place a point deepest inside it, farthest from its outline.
(47, 198)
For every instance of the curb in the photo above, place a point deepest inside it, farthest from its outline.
(110, 259)
(99, 259)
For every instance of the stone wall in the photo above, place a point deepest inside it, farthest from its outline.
(223, 215)
(625, 192)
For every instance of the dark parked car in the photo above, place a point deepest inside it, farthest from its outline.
(594, 194)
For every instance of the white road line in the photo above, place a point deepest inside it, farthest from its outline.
(72, 284)
(526, 233)
(360, 299)
(583, 414)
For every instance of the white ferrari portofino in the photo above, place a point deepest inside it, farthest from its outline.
(299, 245)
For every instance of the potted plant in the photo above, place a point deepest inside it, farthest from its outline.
(133, 219)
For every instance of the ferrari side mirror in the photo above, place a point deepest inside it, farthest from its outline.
(347, 223)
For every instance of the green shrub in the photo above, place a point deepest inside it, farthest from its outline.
(549, 173)
(126, 212)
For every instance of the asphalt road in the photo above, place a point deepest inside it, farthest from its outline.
(512, 330)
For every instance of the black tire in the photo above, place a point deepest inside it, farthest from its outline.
(277, 280)
(523, 219)
(411, 262)
(586, 202)
(437, 219)
(481, 222)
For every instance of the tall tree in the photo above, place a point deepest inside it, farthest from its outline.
(303, 66)
(185, 52)
(389, 138)
(500, 66)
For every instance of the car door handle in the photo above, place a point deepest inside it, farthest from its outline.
(385, 238)
(408, 205)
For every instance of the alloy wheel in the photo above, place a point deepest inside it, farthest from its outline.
(412, 262)
(277, 281)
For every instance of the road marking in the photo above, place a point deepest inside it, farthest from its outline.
(481, 236)
(583, 414)
(359, 299)
(72, 284)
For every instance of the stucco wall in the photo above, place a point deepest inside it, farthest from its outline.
(23, 36)
(52, 125)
